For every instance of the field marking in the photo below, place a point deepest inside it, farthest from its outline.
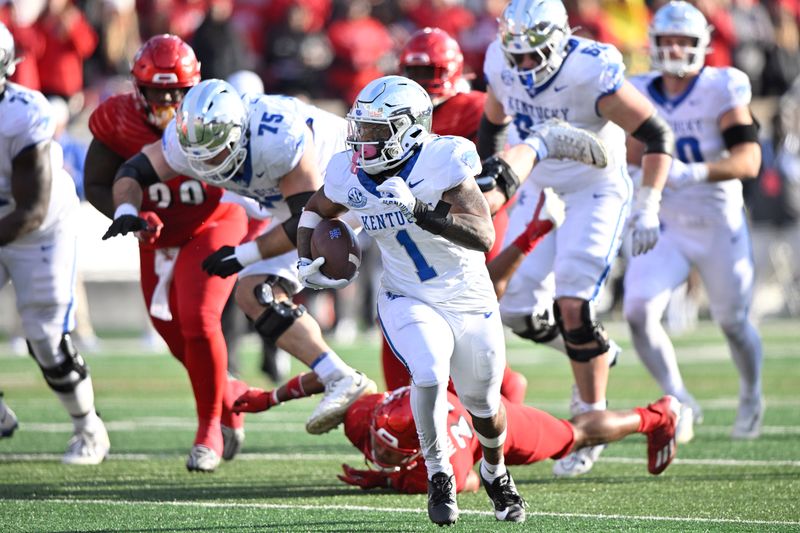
(364, 508)
(29, 457)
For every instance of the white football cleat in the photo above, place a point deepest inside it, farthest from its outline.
(578, 462)
(87, 447)
(232, 440)
(339, 395)
(568, 142)
(748, 419)
(202, 459)
(8, 420)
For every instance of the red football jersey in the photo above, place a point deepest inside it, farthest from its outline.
(184, 204)
(532, 435)
(460, 115)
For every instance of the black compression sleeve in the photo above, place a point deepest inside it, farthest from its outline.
(656, 135)
(491, 137)
(296, 203)
(739, 134)
(139, 168)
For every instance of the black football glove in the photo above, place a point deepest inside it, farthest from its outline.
(497, 173)
(222, 263)
(125, 224)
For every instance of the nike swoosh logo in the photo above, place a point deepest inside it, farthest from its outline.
(595, 195)
(412, 185)
(259, 174)
(559, 89)
(487, 315)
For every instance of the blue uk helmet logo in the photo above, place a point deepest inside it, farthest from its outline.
(355, 198)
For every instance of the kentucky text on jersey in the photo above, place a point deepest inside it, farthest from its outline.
(383, 221)
(537, 112)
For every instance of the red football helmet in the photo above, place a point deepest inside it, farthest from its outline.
(393, 433)
(434, 60)
(164, 68)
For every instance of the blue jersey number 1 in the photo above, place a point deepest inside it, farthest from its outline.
(424, 270)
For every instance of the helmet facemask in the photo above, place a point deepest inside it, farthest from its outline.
(679, 21)
(545, 44)
(211, 124)
(160, 104)
(389, 119)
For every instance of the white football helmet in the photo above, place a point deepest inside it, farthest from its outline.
(537, 27)
(679, 18)
(212, 119)
(389, 118)
(8, 63)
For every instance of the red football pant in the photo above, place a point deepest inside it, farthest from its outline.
(194, 335)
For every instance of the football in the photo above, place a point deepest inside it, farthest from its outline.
(334, 240)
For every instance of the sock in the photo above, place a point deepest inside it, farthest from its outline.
(745, 346)
(650, 419)
(291, 391)
(79, 401)
(429, 408)
(206, 362)
(491, 472)
(585, 407)
(330, 367)
(87, 422)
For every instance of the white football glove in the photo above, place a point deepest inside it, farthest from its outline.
(643, 224)
(311, 277)
(395, 193)
(685, 175)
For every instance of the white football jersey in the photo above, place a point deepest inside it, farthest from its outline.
(694, 117)
(26, 121)
(417, 263)
(590, 71)
(279, 127)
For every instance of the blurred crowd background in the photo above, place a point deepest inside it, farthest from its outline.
(79, 52)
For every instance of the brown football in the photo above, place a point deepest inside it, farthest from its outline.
(337, 243)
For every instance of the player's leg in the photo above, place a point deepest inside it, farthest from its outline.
(477, 368)
(649, 281)
(658, 421)
(727, 272)
(169, 330)
(423, 341)
(200, 300)
(394, 373)
(587, 243)
(264, 294)
(44, 275)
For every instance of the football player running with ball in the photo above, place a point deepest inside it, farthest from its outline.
(269, 149)
(416, 195)
(38, 241)
(537, 70)
(702, 211)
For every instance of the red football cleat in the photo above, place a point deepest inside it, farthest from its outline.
(661, 445)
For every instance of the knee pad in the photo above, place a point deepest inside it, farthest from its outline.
(277, 318)
(65, 376)
(539, 328)
(590, 330)
(264, 293)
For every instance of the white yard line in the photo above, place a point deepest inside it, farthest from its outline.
(29, 457)
(364, 508)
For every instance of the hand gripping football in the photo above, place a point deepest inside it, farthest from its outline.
(337, 243)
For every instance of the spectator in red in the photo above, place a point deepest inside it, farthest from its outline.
(28, 48)
(444, 14)
(590, 21)
(361, 44)
(723, 38)
(68, 40)
(476, 39)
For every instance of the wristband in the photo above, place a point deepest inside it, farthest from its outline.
(125, 209)
(247, 253)
(648, 198)
(309, 219)
(538, 146)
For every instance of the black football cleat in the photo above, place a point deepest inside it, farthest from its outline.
(442, 506)
(508, 504)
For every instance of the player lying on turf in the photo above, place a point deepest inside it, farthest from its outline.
(382, 428)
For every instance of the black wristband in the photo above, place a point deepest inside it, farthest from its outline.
(435, 221)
